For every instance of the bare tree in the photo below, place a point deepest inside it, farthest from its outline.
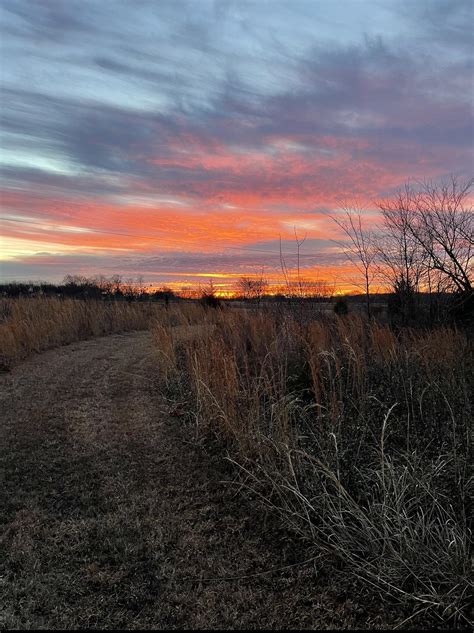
(317, 289)
(310, 289)
(284, 270)
(252, 288)
(294, 287)
(359, 248)
(444, 228)
(403, 261)
(428, 238)
(209, 296)
(299, 244)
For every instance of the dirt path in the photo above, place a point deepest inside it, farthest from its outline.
(111, 513)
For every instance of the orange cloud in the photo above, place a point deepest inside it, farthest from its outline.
(141, 228)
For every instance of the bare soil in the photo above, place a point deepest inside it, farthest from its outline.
(113, 516)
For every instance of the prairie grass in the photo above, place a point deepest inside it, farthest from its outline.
(29, 325)
(358, 437)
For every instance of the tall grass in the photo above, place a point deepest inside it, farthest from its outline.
(358, 437)
(30, 325)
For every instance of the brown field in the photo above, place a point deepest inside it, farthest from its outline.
(232, 469)
(29, 325)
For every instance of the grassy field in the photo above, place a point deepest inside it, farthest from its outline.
(231, 469)
(357, 437)
(34, 324)
(115, 515)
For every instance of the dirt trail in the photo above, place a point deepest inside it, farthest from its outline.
(111, 512)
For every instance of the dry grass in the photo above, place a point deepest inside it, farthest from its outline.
(113, 519)
(29, 325)
(356, 437)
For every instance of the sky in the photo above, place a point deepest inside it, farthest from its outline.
(181, 140)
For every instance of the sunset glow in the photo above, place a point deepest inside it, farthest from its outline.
(180, 141)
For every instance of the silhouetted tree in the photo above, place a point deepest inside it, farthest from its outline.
(250, 288)
(434, 226)
(208, 296)
(359, 248)
(403, 261)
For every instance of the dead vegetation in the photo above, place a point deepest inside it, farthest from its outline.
(34, 324)
(114, 517)
(357, 437)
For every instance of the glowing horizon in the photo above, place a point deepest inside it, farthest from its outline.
(182, 145)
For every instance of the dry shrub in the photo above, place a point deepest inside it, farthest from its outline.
(358, 437)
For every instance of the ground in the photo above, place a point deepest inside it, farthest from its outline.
(114, 516)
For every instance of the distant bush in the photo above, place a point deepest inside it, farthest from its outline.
(210, 301)
(341, 307)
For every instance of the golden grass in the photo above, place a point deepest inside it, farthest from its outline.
(29, 325)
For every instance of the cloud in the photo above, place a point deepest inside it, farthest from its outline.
(224, 126)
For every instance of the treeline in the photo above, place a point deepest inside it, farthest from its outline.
(425, 307)
(81, 287)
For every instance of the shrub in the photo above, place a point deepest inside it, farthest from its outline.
(341, 307)
(210, 301)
